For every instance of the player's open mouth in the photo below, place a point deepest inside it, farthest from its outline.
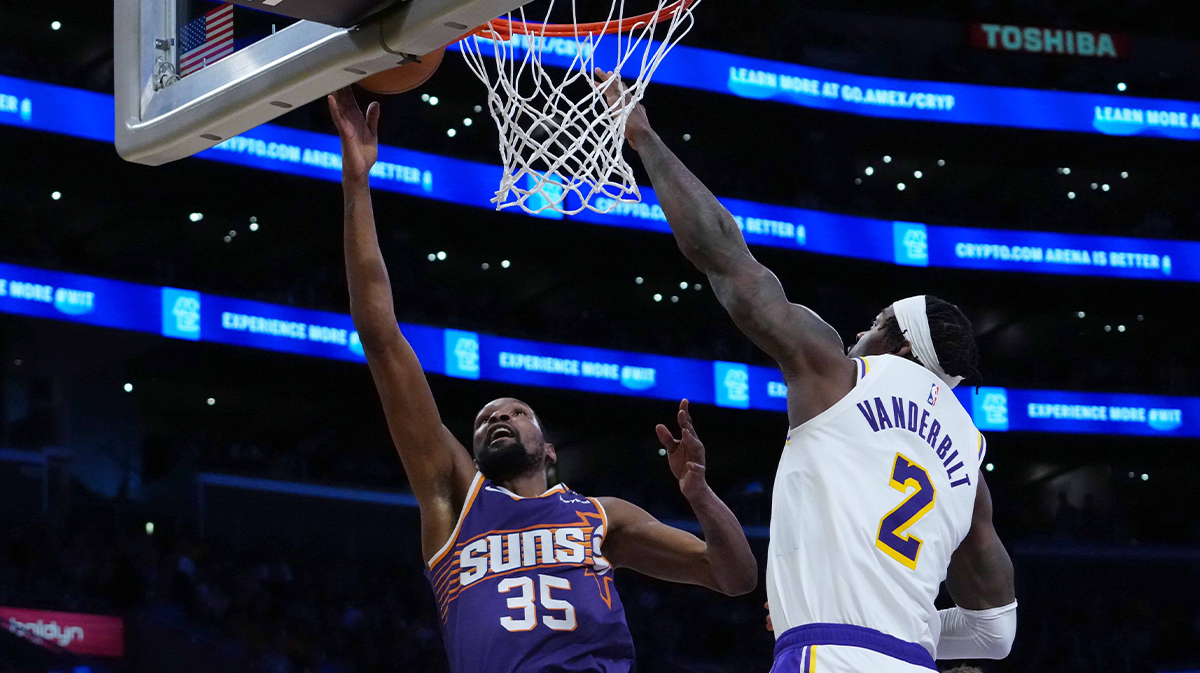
(500, 432)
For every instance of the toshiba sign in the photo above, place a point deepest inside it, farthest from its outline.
(1035, 40)
(91, 635)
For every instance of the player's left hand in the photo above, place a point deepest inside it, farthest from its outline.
(685, 454)
(359, 132)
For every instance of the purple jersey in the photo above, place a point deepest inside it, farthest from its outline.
(522, 586)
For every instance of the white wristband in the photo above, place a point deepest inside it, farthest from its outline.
(977, 634)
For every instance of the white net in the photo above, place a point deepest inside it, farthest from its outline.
(560, 141)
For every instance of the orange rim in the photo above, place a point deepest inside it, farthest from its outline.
(504, 28)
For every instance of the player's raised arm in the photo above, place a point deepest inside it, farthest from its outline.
(438, 467)
(980, 580)
(801, 343)
(722, 561)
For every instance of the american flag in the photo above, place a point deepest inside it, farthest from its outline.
(206, 40)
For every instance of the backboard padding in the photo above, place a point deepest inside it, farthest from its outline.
(342, 13)
(158, 124)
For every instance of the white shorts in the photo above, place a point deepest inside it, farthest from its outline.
(841, 648)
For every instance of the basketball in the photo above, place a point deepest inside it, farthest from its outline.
(406, 77)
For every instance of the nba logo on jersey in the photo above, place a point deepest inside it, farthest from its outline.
(933, 395)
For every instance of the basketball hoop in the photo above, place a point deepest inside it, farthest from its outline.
(560, 141)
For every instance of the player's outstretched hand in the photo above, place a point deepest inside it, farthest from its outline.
(770, 626)
(685, 454)
(359, 133)
(637, 127)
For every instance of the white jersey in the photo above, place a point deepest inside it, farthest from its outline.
(871, 499)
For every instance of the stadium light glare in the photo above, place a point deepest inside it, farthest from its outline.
(55, 25)
(941, 162)
(1124, 175)
(254, 226)
(674, 299)
(485, 266)
(451, 132)
(128, 387)
(887, 159)
(196, 217)
(687, 137)
(658, 297)
(1108, 328)
(505, 264)
(149, 528)
(697, 287)
(902, 186)
(1141, 318)
(467, 121)
(228, 239)
(662, 452)
(211, 401)
(1066, 170)
(1071, 195)
(918, 174)
(639, 280)
(441, 255)
(479, 108)
(56, 196)
(858, 181)
(431, 257)
(989, 467)
(1081, 314)
(1145, 477)
(1120, 328)
(1095, 186)
(869, 171)
(425, 98)
(683, 285)
(433, 100)
(1106, 187)
(1121, 86)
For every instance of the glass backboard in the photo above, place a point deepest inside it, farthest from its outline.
(193, 73)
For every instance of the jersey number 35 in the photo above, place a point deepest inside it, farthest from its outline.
(525, 603)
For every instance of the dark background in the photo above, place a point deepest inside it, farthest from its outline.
(1107, 561)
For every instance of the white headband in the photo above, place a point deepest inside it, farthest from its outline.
(914, 323)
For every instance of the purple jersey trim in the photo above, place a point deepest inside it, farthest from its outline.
(847, 635)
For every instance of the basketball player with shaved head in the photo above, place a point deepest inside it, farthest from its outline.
(878, 497)
(522, 572)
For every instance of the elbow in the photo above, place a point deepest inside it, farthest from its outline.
(1004, 644)
(741, 583)
(743, 587)
(699, 254)
(375, 339)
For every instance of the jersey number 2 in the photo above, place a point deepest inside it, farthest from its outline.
(891, 539)
(525, 603)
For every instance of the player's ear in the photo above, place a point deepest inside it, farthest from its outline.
(551, 456)
(905, 350)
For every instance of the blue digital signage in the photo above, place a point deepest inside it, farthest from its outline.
(913, 100)
(196, 316)
(1008, 409)
(316, 155)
